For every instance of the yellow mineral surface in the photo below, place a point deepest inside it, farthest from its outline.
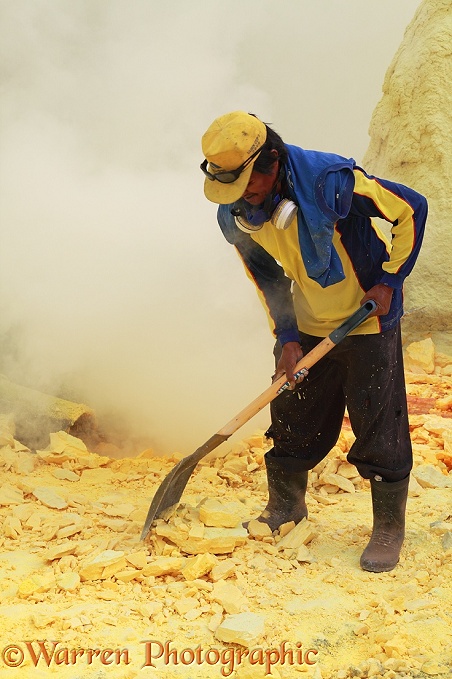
(82, 596)
(410, 142)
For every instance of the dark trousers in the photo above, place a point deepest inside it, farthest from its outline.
(364, 373)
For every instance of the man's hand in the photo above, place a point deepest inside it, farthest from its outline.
(291, 354)
(382, 295)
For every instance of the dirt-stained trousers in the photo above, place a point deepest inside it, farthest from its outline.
(365, 374)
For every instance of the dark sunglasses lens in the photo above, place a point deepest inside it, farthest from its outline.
(226, 177)
(223, 177)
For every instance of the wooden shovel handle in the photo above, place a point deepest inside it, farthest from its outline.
(306, 362)
(269, 394)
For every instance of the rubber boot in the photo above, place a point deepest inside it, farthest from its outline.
(286, 492)
(388, 504)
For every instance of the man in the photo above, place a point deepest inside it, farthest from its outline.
(301, 221)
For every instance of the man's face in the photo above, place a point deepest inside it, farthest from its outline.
(260, 185)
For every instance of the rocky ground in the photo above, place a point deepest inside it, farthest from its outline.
(81, 596)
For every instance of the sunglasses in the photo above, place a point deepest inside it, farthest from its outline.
(228, 176)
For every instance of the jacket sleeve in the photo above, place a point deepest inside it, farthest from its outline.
(405, 209)
(272, 285)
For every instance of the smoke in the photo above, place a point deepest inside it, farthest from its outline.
(117, 287)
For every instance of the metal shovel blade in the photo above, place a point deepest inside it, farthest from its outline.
(170, 490)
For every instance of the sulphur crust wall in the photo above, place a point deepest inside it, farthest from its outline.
(411, 142)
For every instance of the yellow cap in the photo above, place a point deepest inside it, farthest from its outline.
(227, 144)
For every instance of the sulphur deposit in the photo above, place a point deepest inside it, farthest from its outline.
(81, 596)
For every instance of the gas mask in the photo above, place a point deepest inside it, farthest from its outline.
(279, 211)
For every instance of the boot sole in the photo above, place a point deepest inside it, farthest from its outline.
(375, 568)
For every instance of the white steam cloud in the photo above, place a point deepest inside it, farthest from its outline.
(116, 286)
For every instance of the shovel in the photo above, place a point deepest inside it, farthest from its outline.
(170, 490)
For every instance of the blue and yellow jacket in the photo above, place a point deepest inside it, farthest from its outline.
(273, 258)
